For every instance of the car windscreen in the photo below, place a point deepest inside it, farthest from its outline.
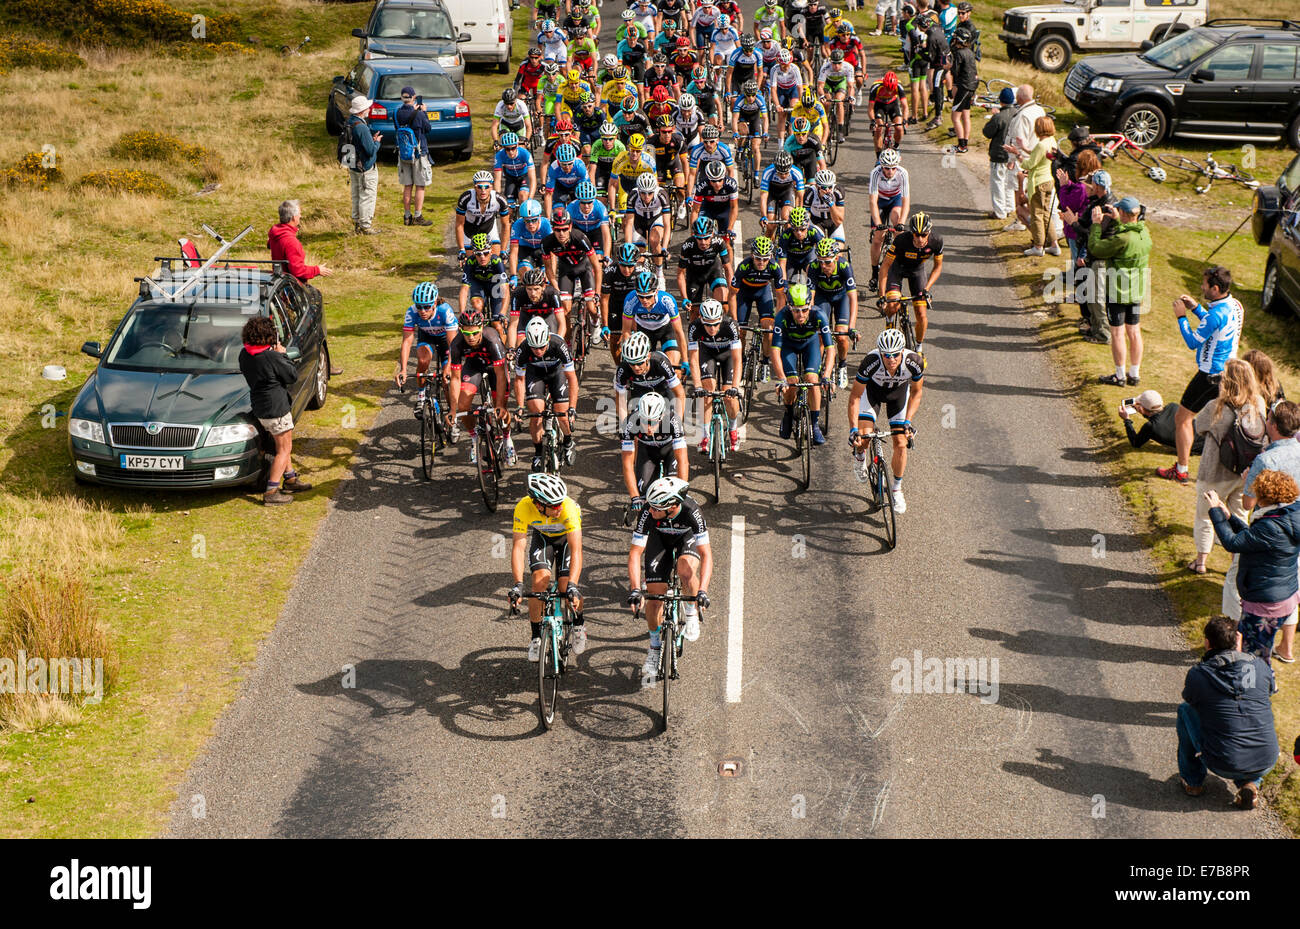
(1180, 51)
(412, 24)
(189, 339)
(428, 86)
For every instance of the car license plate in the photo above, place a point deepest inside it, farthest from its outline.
(434, 116)
(153, 462)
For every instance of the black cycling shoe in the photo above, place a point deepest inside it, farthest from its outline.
(787, 422)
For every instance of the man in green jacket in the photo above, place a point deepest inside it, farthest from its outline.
(1119, 236)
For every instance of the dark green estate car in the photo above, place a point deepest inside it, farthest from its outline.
(167, 406)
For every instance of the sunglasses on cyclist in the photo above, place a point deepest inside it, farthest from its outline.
(483, 186)
(662, 509)
(891, 354)
(477, 330)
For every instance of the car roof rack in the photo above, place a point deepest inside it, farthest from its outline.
(172, 295)
(1249, 21)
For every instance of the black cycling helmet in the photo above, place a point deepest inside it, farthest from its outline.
(534, 277)
(628, 254)
(920, 224)
(509, 96)
(747, 41)
(784, 160)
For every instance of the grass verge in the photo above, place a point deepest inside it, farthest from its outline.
(1186, 227)
(159, 568)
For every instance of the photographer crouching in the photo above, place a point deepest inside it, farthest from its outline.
(1160, 421)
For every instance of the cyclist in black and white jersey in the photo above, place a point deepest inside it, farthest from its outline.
(825, 204)
(544, 367)
(688, 120)
(641, 371)
(893, 377)
(713, 341)
(478, 211)
(653, 445)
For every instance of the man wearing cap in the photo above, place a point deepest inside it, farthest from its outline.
(1159, 426)
(361, 166)
(1002, 171)
(966, 81)
(1080, 139)
(1120, 238)
(1092, 291)
(417, 174)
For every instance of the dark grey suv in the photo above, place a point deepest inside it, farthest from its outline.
(414, 29)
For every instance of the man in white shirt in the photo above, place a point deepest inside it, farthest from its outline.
(1021, 141)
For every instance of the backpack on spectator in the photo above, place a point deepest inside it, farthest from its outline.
(406, 144)
(1239, 448)
(347, 149)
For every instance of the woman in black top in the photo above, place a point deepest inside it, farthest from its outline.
(269, 374)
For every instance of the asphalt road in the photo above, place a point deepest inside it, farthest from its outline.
(394, 697)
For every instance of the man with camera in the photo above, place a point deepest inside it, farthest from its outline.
(1123, 242)
(1160, 421)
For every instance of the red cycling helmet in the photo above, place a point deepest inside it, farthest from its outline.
(682, 41)
(660, 94)
(564, 124)
(889, 81)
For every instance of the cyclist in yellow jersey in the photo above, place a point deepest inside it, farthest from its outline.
(614, 90)
(808, 107)
(548, 529)
(831, 28)
(573, 87)
(637, 160)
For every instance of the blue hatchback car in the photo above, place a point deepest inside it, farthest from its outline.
(382, 80)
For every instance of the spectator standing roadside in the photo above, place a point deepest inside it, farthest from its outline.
(363, 171)
(1159, 425)
(283, 242)
(414, 169)
(1267, 549)
(1214, 340)
(1239, 407)
(939, 61)
(1281, 454)
(269, 374)
(1270, 388)
(1225, 722)
(1093, 290)
(1002, 170)
(1020, 142)
(966, 80)
(1125, 245)
(1036, 171)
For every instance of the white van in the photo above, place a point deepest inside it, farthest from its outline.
(490, 27)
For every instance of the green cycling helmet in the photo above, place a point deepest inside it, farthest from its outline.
(800, 218)
(799, 296)
(761, 247)
(480, 243)
(827, 248)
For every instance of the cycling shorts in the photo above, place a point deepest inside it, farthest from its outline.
(893, 399)
(834, 308)
(544, 550)
(537, 385)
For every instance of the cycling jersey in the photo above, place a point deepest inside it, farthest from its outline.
(834, 284)
(666, 436)
(565, 181)
(494, 272)
(749, 109)
(815, 114)
(477, 360)
(701, 155)
(656, 316)
(907, 256)
(877, 97)
(702, 262)
(726, 339)
(613, 92)
(872, 371)
(645, 16)
(520, 234)
(547, 366)
(645, 212)
(750, 278)
(805, 155)
(528, 76)
(589, 224)
(512, 117)
(716, 204)
(656, 78)
(1215, 337)
(588, 124)
(787, 332)
(886, 188)
(703, 16)
(781, 188)
(553, 45)
(528, 517)
(787, 79)
(769, 18)
(725, 41)
(545, 306)
(668, 152)
(796, 251)
(819, 205)
(706, 97)
(480, 217)
(630, 124)
(683, 61)
(835, 76)
(687, 526)
(769, 52)
(440, 327)
(629, 166)
(518, 166)
(743, 65)
(688, 126)
(573, 255)
(660, 378)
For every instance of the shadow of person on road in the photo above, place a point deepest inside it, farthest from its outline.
(1118, 785)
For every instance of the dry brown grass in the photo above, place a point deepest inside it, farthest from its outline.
(55, 533)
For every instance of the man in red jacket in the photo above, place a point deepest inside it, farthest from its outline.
(283, 242)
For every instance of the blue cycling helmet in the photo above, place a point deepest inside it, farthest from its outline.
(647, 282)
(586, 192)
(425, 294)
(628, 254)
(530, 209)
(703, 227)
(509, 140)
(566, 154)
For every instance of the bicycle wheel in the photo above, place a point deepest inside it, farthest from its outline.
(580, 343)
(806, 435)
(667, 659)
(1180, 163)
(828, 396)
(873, 481)
(428, 443)
(832, 147)
(1142, 157)
(749, 180)
(748, 377)
(886, 497)
(716, 452)
(488, 470)
(909, 334)
(548, 678)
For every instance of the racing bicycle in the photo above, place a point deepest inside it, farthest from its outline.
(718, 434)
(879, 479)
(671, 637)
(557, 639)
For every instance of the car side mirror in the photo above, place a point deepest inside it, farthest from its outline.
(293, 353)
(93, 349)
(359, 33)
(463, 37)
(1202, 74)
(1146, 46)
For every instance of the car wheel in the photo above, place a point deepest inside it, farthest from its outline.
(1143, 124)
(322, 380)
(466, 153)
(1268, 295)
(503, 67)
(1052, 54)
(1293, 133)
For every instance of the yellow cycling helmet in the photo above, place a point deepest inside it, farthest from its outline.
(807, 97)
(636, 141)
(575, 76)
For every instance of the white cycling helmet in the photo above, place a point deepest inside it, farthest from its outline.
(547, 489)
(785, 57)
(610, 61)
(824, 178)
(724, 21)
(634, 350)
(710, 311)
(647, 184)
(650, 409)
(890, 341)
(482, 177)
(665, 492)
(628, 15)
(889, 158)
(686, 101)
(1156, 174)
(537, 333)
